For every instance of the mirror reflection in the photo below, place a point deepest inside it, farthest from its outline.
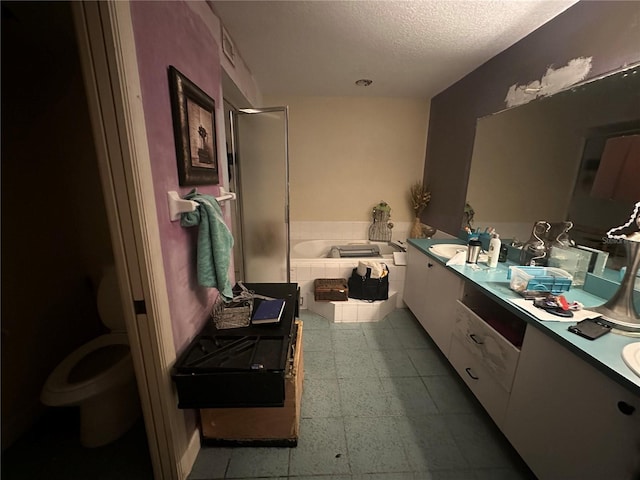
(573, 156)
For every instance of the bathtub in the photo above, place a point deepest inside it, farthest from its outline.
(309, 261)
(310, 249)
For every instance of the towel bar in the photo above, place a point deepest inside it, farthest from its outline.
(179, 205)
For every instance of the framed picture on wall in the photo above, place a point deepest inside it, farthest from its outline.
(194, 130)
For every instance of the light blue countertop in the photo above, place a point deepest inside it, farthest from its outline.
(604, 353)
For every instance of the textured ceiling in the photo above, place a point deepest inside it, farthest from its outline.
(408, 48)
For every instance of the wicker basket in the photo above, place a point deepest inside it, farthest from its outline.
(232, 315)
(330, 289)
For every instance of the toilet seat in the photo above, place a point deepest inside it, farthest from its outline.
(59, 391)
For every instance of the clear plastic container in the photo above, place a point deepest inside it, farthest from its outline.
(543, 279)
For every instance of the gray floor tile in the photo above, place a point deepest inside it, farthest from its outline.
(375, 445)
(382, 339)
(464, 474)
(322, 477)
(383, 324)
(263, 478)
(210, 464)
(393, 363)
(413, 337)
(429, 443)
(313, 321)
(408, 396)
(387, 476)
(320, 398)
(428, 362)
(321, 448)
(402, 318)
(318, 341)
(319, 365)
(450, 394)
(348, 340)
(345, 326)
(504, 474)
(482, 445)
(258, 462)
(363, 397)
(355, 364)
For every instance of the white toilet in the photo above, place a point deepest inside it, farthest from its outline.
(98, 377)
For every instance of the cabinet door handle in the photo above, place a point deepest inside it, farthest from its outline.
(429, 264)
(625, 408)
(473, 337)
(468, 370)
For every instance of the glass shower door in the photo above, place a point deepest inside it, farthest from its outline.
(263, 192)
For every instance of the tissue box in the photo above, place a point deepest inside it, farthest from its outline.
(544, 279)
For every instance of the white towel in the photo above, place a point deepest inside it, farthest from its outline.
(460, 258)
(377, 268)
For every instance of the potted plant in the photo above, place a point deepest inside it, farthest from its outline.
(419, 198)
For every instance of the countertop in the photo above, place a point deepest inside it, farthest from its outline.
(603, 353)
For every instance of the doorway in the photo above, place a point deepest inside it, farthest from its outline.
(55, 242)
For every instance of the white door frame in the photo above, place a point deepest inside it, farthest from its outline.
(108, 57)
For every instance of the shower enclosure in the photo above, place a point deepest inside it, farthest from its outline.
(260, 176)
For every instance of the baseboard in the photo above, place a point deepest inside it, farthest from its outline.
(190, 455)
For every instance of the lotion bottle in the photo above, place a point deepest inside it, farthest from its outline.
(494, 250)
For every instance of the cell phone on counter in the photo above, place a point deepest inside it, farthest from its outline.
(590, 328)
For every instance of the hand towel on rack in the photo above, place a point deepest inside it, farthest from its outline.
(214, 243)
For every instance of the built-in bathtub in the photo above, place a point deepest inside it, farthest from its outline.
(311, 249)
(309, 261)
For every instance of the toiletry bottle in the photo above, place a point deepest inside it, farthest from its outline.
(494, 250)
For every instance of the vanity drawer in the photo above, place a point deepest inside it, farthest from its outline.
(487, 390)
(497, 354)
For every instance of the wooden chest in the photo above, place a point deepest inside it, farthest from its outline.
(330, 289)
(261, 426)
(239, 367)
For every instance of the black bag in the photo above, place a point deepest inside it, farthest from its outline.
(367, 288)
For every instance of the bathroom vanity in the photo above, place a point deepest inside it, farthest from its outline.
(429, 275)
(568, 405)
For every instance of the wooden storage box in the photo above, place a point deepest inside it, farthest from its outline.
(273, 426)
(330, 289)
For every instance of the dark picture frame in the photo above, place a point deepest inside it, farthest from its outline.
(194, 129)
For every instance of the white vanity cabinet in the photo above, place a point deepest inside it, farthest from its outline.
(567, 419)
(485, 349)
(484, 386)
(430, 292)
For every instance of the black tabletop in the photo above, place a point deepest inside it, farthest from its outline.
(262, 347)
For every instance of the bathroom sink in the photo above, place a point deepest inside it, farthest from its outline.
(631, 356)
(447, 250)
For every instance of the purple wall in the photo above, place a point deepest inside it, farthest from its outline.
(607, 31)
(170, 33)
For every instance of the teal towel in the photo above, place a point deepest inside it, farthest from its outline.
(215, 243)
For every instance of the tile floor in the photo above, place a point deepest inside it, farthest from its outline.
(379, 403)
(51, 450)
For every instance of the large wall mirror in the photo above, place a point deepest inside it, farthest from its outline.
(571, 156)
